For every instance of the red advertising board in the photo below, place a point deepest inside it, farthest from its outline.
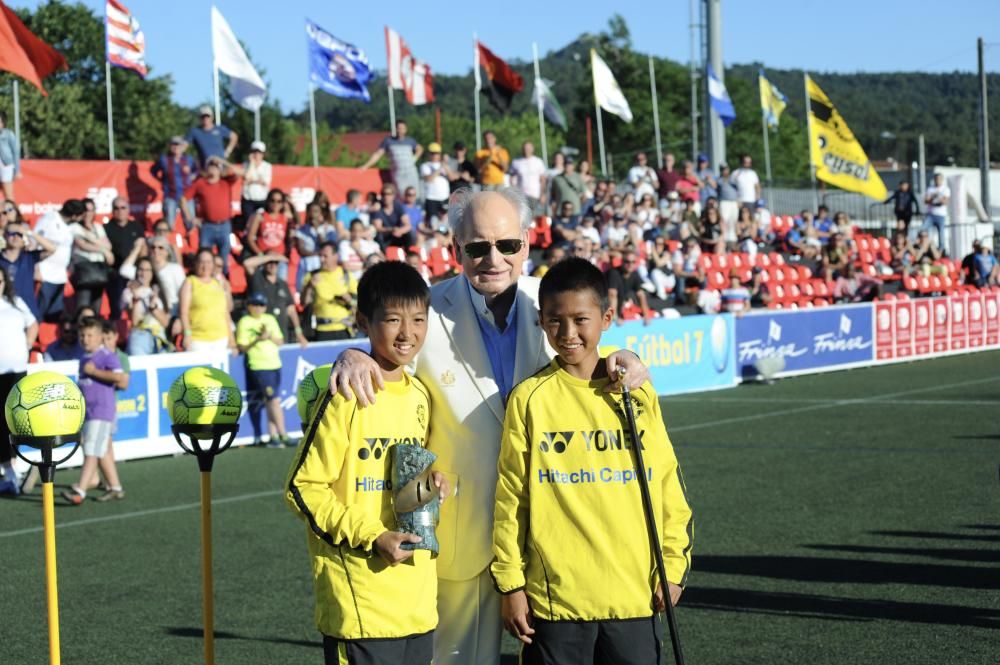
(47, 183)
(993, 318)
(959, 333)
(885, 337)
(904, 328)
(922, 312)
(976, 310)
(941, 325)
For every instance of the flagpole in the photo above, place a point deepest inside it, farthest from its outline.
(540, 104)
(392, 112)
(600, 140)
(312, 124)
(256, 124)
(17, 116)
(111, 122)
(656, 115)
(475, 74)
(215, 82)
(812, 164)
(767, 154)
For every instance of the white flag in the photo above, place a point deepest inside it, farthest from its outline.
(245, 84)
(406, 73)
(606, 91)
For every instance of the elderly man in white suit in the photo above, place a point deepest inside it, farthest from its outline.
(483, 338)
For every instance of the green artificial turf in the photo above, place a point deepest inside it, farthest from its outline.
(851, 517)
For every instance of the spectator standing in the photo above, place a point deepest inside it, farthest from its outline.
(308, 239)
(205, 309)
(492, 161)
(747, 183)
(122, 233)
(19, 259)
(356, 249)
(106, 464)
(391, 221)
(10, 159)
(53, 270)
(436, 177)
(331, 292)
(280, 303)
(667, 177)
(256, 182)
(176, 171)
(100, 373)
(462, 172)
(568, 187)
(728, 198)
(259, 336)
(707, 180)
(688, 186)
(213, 192)
(268, 230)
(169, 274)
(403, 152)
(587, 175)
(18, 331)
(146, 311)
(937, 198)
(643, 178)
(904, 206)
(211, 140)
(528, 173)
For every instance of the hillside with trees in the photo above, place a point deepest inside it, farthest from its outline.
(887, 111)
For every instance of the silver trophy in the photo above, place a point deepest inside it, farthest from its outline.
(415, 498)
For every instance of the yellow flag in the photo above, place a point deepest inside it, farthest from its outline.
(838, 157)
(772, 101)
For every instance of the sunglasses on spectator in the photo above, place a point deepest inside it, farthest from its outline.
(13, 234)
(121, 207)
(480, 248)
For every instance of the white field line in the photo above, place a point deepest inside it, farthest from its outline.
(821, 400)
(141, 513)
(831, 404)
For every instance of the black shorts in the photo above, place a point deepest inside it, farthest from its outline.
(437, 209)
(621, 642)
(412, 650)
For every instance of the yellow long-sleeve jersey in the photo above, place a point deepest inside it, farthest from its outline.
(340, 483)
(568, 526)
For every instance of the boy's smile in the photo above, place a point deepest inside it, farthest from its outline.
(573, 322)
(397, 333)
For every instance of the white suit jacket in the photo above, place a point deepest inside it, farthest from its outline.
(467, 413)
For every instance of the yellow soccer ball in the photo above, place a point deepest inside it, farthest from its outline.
(310, 393)
(204, 396)
(45, 404)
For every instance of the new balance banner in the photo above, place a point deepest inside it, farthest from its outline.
(688, 354)
(808, 339)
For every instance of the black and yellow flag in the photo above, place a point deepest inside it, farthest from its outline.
(838, 157)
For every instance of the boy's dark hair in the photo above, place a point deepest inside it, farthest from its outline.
(107, 327)
(574, 274)
(89, 322)
(390, 283)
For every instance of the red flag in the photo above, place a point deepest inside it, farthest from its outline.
(504, 81)
(406, 73)
(24, 54)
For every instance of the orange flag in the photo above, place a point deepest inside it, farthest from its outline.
(24, 54)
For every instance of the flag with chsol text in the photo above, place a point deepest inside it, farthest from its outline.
(835, 152)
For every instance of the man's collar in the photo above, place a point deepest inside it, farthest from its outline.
(483, 310)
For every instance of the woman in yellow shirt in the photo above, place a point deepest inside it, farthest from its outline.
(205, 309)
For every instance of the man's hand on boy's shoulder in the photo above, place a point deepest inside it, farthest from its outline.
(388, 546)
(517, 617)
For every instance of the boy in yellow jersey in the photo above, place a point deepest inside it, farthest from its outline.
(572, 554)
(330, 290)
(258, 334)
(376, 598)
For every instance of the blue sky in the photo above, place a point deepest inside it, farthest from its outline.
(876, 35)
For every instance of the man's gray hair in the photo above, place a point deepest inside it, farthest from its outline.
(460, 207)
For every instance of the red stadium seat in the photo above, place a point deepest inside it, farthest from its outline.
(821, 302)
(889, 297)
(910, 283)
(395, 254)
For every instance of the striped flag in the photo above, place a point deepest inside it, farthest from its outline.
(126, 43)
(718, 98)
(406, 73)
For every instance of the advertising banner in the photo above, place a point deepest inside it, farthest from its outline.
(683, 355)
(808, 339)
(975, 306)
(959, 333)
(942, 325)
(992, 318)
(904, 328)
(922, 328)
(885, 331)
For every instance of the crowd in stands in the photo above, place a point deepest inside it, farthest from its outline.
(680, 239)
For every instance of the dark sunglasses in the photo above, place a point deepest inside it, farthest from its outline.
(121, 207)
(480, 248)
(13, 234)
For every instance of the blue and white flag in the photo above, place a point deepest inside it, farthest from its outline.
(336, 67)
(719, 98)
